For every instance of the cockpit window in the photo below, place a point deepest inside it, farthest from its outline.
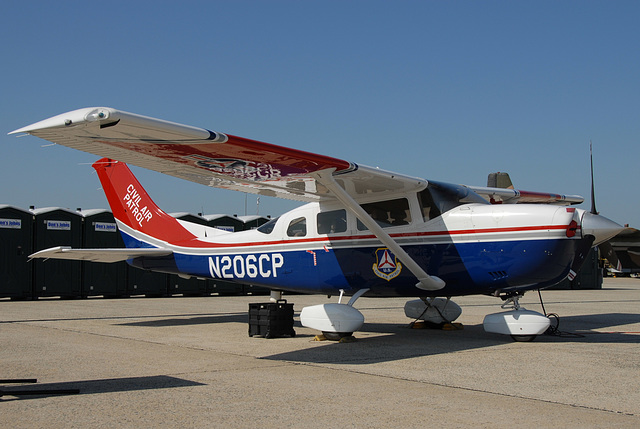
(388, 213)
(267, 228)
(439, 198)
(297, 227)
(332, 221)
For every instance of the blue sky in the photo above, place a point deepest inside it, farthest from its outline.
(448, 91)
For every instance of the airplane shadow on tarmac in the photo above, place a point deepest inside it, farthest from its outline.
(383, 342)
(89, 387)
(176, 319)
(200, 320)
(400, 342)
(380, 342)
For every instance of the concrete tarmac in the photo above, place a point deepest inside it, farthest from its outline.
(188, 362)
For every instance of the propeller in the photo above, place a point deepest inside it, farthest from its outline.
(588, 239)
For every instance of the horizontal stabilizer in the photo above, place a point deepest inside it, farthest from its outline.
(514, 196)
(500, 190)
(97, 255)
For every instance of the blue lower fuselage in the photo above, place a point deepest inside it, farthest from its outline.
(467, 268)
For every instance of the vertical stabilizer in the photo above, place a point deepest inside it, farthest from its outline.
(499, 180)
(133, 207)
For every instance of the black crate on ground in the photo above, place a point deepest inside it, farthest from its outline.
(271, 319)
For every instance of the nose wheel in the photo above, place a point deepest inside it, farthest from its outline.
(523, 338)
(521, 324)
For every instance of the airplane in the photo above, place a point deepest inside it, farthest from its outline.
(363, 230)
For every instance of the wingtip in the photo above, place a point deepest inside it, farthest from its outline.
(23, 130)
(74, 117)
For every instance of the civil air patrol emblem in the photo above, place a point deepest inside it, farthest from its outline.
(387, 266)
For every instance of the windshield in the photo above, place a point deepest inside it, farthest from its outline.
(441, 197)
(267, 228)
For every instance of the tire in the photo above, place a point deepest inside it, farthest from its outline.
(523, 338)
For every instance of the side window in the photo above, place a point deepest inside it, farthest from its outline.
(297, 227)
(332, 222)
(388, 213)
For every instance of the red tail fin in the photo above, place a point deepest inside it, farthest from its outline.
(132, 206)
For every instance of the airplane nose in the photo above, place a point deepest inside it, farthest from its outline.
(600, 227)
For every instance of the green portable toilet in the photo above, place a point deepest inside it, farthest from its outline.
(99, 230)
(16, 236)
(55, 226)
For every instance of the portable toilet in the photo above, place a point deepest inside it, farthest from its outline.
(189, 217)
(253, 222)
(55, 226)
(146, 282)
(225, 222)
(187, 287)
(99, 230)
(16, 235)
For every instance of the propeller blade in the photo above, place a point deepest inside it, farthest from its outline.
(607, 252)
(595, 227)
(593, 190)
(581, 254)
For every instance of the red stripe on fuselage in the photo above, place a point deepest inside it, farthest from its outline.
(202, 245)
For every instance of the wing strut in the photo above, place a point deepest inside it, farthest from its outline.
(425, 281)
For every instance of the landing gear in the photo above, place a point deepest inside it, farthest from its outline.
(275, 295)
(434, 311)
(521, 324)
(342, 337)
(335, 321)
(523, 338)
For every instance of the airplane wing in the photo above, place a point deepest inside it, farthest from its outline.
(212, 158)
(96, 255)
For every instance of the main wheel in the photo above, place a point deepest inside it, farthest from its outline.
(523, 338)
(336, 336)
